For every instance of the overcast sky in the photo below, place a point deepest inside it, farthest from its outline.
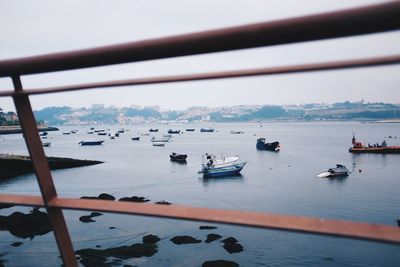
(38, 27)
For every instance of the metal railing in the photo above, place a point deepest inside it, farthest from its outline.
(365, 20)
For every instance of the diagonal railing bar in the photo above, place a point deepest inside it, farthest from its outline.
(362, 20)
(330, 227)
(42, 171)
(324, 66)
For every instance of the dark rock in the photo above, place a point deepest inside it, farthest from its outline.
(16, 244)
(184, 239)
(86, 219)
(212, 237)
(111, 227)
(163, 202)
(105, 196)
(220, 263)
(26, 225)
(230, 240)
(134, 199)
(328, 259)
(231, 245)
(98, 257)
(150, 239)
(207, 227)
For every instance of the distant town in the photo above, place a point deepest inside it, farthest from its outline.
(101, 114)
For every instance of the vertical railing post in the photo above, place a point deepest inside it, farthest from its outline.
(42, 170)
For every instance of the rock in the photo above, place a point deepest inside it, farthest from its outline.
(134, 199)
(184, 239)
(86, 219)
(26, 225)
(163, 202)
(207, 227)
(16, 244)
(5, 206)
(212, 237)
(231, 245)
(150, 239)
(220, 263)
(105, 196)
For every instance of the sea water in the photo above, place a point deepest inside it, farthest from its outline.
(281, 182)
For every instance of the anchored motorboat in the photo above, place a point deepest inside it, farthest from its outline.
(223, 166)
(340, 170)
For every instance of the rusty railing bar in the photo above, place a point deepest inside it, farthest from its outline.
(330, 227)
(324, 66)
(362, 20)
(42, 171)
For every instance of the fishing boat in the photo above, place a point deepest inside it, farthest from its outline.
(262, 145)
(137, 138)
(340, 170)
(207, 130)
(190, 130)
(171, 131)
(178, 157)
(382, 148)
(163, 139)
(158, 143)
(223, 166)
(153, 130)
(91, 143)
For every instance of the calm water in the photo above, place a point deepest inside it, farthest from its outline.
(283, 182)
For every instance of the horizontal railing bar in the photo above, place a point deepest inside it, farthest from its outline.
(345, 64)
(348, 229)
(362, 20)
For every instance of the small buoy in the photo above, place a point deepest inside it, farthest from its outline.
(359, 170)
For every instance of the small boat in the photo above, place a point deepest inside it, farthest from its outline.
(121, 130)
(163, 139)
(158, 143)
(74, 131)
(116, 134)
(102, 133)
(340, 170)
(190, 130)
(112, 136)
(224, 166)
(46, 144)
(135, 138)
(90, 132)
(382, 148)
(92, 128)
(66, 133)
(144, 134)
(44, 133)
(170, 131)
(178, 157)
(91, 143)
(153, 130)
(261, 145)
(237, 132)
(207, 130)
(99, 131)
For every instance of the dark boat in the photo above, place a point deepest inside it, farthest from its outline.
(153, 130)
(382, 148)
(190, 130)
(170, 131)
(44, 134)
(206, 130)
(91, 143)
(178, 157)
(102, 133)
(261, 145)
(67, 133)
(135, 138)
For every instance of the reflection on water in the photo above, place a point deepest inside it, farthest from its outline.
(225, 179)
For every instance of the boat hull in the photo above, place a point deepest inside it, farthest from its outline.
(274, 146)
(91, 143)
(376, 150)
(223, 171)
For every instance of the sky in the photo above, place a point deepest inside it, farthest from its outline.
(30, 28)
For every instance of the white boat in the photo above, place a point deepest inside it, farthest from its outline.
(340, 170)
(158, 143)
(223, 166)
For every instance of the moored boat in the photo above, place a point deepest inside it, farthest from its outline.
(340, 170)
(153, 130)
(91, 143)
(190, 130)
(158, 143)
(382, 148)
(46, 144)
(237, 132)
(178, 157)
(207, 130)
(224, 166)
(171, 131)
(262, 145)
(137, 138)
